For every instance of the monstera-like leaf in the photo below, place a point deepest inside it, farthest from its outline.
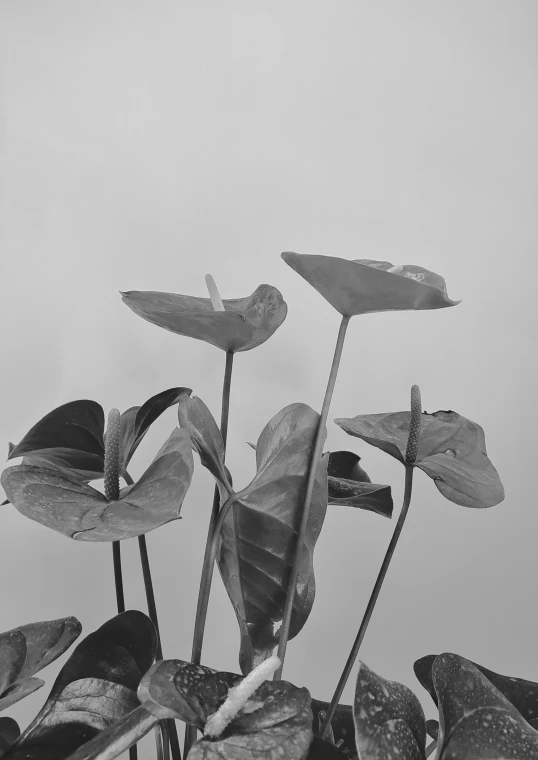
(274, 723)
(521, 693)
(451, 450)
(72, 435)
(29, 648)
(350, 486)
(244, 324)
(363, 286)
(389, 720)
(477, 722)
(95, 688)
(63, 501)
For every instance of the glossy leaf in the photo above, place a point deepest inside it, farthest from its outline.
(9, 731)
(363, 286)
(389, 720)
(521, 693)
(350, 486)
(342, 725)
(275, 722)
(452, 451)
(28, 649)
(257, 539)
(476, 721)
(244, 324)
(64, 502)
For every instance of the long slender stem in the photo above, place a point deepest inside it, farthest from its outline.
(207, 567)
(118, 577)
(372, 602)
(284, 630)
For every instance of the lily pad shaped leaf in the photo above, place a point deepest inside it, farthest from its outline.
(62, 501)
(477, 722)
(364, 286)
(29, 648)
(274, 723)
(257, 540)
(452, 451)
(72, 435)
(244, 324)
(521, 693)
(389, 720)
(350, 486)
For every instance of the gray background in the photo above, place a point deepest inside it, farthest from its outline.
(147, 143)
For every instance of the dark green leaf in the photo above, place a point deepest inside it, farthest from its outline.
(476, 721)
(62, 501)
(56, 743)
(364, 286)
(258, 537)
(9, 731)
(522, 694)
(245, 323)
(452, 451)
(71, 436)
(323, 750)
(389, 720)
(342, 724)
(432, 727)
(345, 464)
(28, 649)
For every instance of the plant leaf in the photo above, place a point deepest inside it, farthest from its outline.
(521, 693)
(71, 436)
(476, 721)
(245, 323)
(257, 539)
(195, 417)
(9, 731)
(323, 750)
(389, 720)
(342, 725)
(452, 451)
(432, 727)
(136, 421)
(364, 286)
(28, 649)
(62, 501)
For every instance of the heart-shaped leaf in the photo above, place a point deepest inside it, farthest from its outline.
(275, 722)
(342, 725)
(521, 693)
(452, 451)
(96, 686)
(476, 721)
(364, 286)
(195, 417)
(28, 649)
(64, 502)
(389, 720)
(432, 727)
(257, 540)
(244, 324)
(9, 732)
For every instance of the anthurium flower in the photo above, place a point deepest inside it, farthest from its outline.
(451, 451)
(363, 286)
(72, 435)
(63, 501)
(244, 324)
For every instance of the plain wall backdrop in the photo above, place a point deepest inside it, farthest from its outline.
(144, 144)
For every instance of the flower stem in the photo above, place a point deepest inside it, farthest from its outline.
(284, 630)
(371, 604)
(118, 577)
(207, 567)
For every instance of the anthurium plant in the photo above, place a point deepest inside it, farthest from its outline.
(116, 686)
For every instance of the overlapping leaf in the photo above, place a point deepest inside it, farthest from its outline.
(477, 722)
(452, 451)
(389, 720)
(72, 435)
(9, 732)
(521, 693)
(363, 286)
(257, 541)
(244, 324)
(342, 726)
(274, 723)
(29, 648)
(350, 486)
(62, 501)
(95, 688)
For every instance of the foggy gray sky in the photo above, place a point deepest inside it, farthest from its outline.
(147, 143)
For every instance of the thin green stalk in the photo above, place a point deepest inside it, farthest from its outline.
(313, 466)
(207, 567)
(168, 727)
(371, 604)
(118, 577)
